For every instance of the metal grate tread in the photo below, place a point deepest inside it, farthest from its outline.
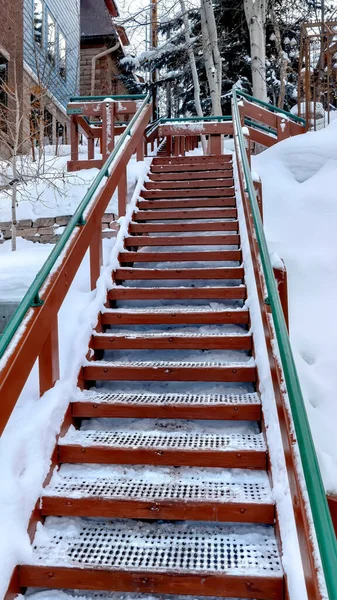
(158, 548)
(174, 309)
(144, 335)
(80, 595)
(121, 489)
(170, 364)
(172, 399)
(177, 440)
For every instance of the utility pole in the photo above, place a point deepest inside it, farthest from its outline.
(154, 44)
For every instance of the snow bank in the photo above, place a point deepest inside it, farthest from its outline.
(300, 214)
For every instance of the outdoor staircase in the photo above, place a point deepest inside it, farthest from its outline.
(163, 487)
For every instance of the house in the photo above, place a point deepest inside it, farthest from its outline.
(51, 58)
(39, 64)
(100, 75)
(11, 59)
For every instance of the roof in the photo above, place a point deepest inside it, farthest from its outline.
(96, 18)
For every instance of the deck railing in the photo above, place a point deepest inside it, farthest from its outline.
(322, 523)
(32, 331)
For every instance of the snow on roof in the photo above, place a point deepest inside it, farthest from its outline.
(96, 18)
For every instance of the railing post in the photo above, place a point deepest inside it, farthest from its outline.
(283, 128)
(91, 148)
(73, 140)
(169, 145)
(280, 274)
(122, 191)
(108, 128)
(96, 256)
(259, 198)
(182, 145)
(214, 144)
(49, 366)
(176, 149)
(140, 150)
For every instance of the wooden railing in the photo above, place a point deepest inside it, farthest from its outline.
(33, 331)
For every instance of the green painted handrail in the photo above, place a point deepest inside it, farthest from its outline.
(32, 297)
(271, 107)
(101, 98)
(252, 123)
(319, 507)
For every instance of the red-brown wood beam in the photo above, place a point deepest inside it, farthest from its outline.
(122, 192)
(73, 140)
(96, 256)
(49, 366)
(280, 274)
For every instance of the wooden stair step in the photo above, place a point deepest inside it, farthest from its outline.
(179, 448)
(169, 341)
(175, 498)
(245, 407)
(237, 292)
(180, 316)
(191, 176)
(93, 595)
(168, 371)
(128, 556)
(207, 240)
(189, 213)
(197, 256)
(210, 167)
(189, 203)
(188, 226)
(209, 193)
(128, 273)
(193, 160)
(194, 183)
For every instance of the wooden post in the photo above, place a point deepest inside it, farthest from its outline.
(169, 145)
(122, 191)
(49, 366)
(140, 150)
(258, 189)
(111, 117)
(91, 148)
(74, 140)
(96, 257)
(183, 145)
(104, 141)
(282, 284)
(283, 128)
(214, 144)
(176, 149)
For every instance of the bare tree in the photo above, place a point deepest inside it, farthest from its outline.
(256, 14)
(213, 64)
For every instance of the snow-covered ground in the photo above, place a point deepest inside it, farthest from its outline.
(51, 191)
(300, 218)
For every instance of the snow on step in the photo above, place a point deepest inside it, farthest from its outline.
(157, 548)
(168, 364)
(175, 440)
(169, 399)
(174, 309)
(79, 595)
(178, 485)
(161, 334)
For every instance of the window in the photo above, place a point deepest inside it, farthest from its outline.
(62, 55)
(38, 22)
(51, 39)
(3, 92)
(48, 127)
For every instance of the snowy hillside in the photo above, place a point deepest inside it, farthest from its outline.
(300, 213)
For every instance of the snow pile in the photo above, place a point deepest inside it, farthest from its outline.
(300, 217)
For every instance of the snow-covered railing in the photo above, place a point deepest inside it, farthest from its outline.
(272, 108)
(314, 525)
(32, 332)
